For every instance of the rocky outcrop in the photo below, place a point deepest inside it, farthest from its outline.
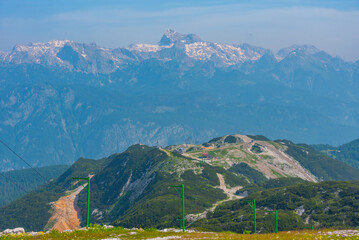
(13, 231)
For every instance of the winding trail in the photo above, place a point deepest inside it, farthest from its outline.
(230, 192)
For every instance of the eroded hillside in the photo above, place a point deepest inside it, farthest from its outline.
(267, 157)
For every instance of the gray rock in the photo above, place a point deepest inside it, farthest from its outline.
(14, 231)
(108, 226)
(300, 210)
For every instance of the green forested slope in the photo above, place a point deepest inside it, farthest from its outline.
(322, 205)
(134, 189)
(32, 211)
(322, 166)
(269, 184)
(348, 153)
(25, 180)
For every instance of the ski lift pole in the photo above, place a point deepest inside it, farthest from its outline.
(195, 205)
(276, 219)
(88, 198)
(254, 209)
(183, 220)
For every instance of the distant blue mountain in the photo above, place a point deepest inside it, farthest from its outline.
(62, 99)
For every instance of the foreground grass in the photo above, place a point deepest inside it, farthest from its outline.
(120, 233)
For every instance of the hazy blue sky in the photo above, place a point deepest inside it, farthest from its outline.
(330, 25)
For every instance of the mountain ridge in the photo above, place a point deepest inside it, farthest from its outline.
(55, 53)
(132, 188)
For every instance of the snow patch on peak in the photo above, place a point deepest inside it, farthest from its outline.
(41, 46)
(141, 47)
(59, 43)
(40, 53)
(227, 54)
(199, 50)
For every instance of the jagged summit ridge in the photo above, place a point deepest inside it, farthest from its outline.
(91, 58)
(171, 37)
(66, 54)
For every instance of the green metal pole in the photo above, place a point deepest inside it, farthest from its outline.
(183, 220)
(88, 198)
(195, 205)
(183, 215)
(255, 217)
(276, 221)
(88, 202)
(180, 222)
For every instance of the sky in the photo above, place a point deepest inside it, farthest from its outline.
(330, 25)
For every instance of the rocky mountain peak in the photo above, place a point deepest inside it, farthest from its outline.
(303, 49)
(171, 36)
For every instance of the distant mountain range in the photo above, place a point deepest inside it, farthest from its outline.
(90, 58)
(62, 99)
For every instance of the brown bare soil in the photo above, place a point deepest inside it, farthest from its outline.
(65, 214)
